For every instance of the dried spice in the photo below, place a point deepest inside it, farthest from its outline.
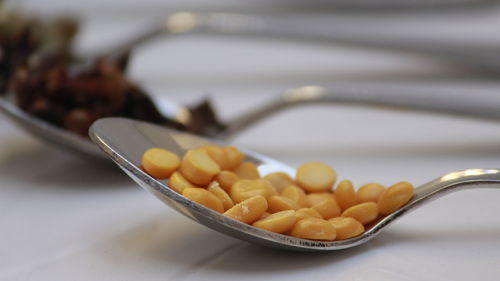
(44, 79)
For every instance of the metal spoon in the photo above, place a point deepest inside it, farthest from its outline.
(283, 28)
(48, 133)
(125, 140)
(464, 105)
(312, 29)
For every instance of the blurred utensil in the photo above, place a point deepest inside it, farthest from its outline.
(466, 106)
(234, 24)
(291, 27)
(391, 4)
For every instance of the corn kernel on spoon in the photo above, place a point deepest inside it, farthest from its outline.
(125, 140)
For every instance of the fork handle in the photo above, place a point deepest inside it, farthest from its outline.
(410, 99)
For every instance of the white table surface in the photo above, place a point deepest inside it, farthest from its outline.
(64, 218)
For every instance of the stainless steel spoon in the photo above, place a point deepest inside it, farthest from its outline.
(411, 99)
(283, 28)
(47, 132)
(125, 140)
(312, 29)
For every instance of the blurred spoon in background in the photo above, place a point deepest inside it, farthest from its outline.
(311, 29)
(183, 23)
(465, 106)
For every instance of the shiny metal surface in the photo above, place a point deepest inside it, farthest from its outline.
(48, 133)
(469, 106)
(125, 140)
(401, 4)
(280, 28)
(308, 29)
(465, 106)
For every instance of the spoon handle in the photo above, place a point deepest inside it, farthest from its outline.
(395, 98)
(310, 28)
(465, 179)
(455, 181)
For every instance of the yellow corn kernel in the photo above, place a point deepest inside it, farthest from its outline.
(215, 189)
(314, 229)
(315, 177)
(159, 163)
(198, 168)
(265, 215)
(394, 197)
(234, 156)
(345, 194)
(244, 189)
(203, 197)
(279, 222)
(314, 198)
(369, 192)
(295, 193)
(249, 210)
(247, 170)
(178, 182)
(307, 213)
(226, 179)
(278, 203)
(327, 208)
(280, 180)
(271, 190)
(346, 227)
(364, 212)
(218, 154)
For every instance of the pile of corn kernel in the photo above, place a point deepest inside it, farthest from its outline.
(307, 207)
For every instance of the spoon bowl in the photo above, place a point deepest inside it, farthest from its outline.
(61, 138)
(48, 133)
(125, 140)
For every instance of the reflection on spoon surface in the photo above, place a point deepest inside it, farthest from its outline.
(125, 140)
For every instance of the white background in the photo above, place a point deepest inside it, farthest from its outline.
(64, 218)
